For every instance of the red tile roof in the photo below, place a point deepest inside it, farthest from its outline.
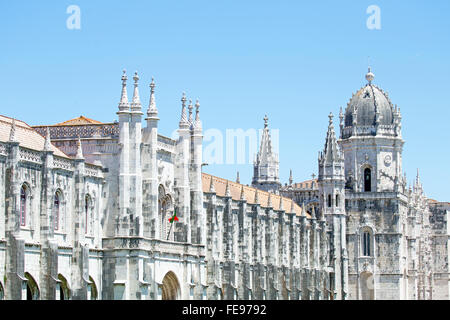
(220, 185)
(26, 135)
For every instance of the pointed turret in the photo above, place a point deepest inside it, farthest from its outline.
(12, 133)
(242, 193)
(227, 190)
(79, 155)
(266, 165)
(152, 111)
(197, 123)
(136, 105)
(190, 107)
(331, 151)
(211, 186)
(123, 103)
(256, 197)
(184, 120)
(269, 200)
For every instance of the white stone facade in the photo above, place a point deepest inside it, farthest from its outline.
(357, 232)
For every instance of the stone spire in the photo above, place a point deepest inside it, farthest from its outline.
(281, 207)
(123, 104)
(47, 144)
(269, 201)
(197, 123)
(227, 190)
(211, 186)
(237, 178)
(190, 107)
(184, 121)
(152, 111)
(242, 193)
(266, 166)
(256, 197)
(313, 213)
(79, 155)
(331, 150)
(291, 179)
(12, 133)
(136, 103)
(303, 209)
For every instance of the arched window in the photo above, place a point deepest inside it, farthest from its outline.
(88, 214)
(23, 205)
(56, 205)
(366, 244)
(329, 201)
(367, 180)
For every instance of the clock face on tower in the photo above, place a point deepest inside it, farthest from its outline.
(387, 160)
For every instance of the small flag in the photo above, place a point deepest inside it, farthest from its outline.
(174, 217)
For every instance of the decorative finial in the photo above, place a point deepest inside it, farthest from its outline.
(47, 144)
(237, 178)
(184, 120)
(197, 111)
(152, 111)
(227, 190)
(190, 107)
(123, 104)
(330, 116)
(79, 155)
(136, 104)
(291, 179)
(12, 133)
(211, 186)
(265, 121)
(370, 76)
(242, 193)
(198, 123)
(152, 86)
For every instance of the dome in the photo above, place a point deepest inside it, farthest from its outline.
(367, 101)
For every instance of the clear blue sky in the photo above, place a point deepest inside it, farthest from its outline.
(292, 60)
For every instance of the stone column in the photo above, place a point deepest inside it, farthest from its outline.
(80, 253)
(49, 246)
(15, 245)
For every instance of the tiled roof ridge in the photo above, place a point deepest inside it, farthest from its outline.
(273, 196)
(81, 117)
(23, 125)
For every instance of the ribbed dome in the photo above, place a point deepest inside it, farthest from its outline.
(367, 101)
